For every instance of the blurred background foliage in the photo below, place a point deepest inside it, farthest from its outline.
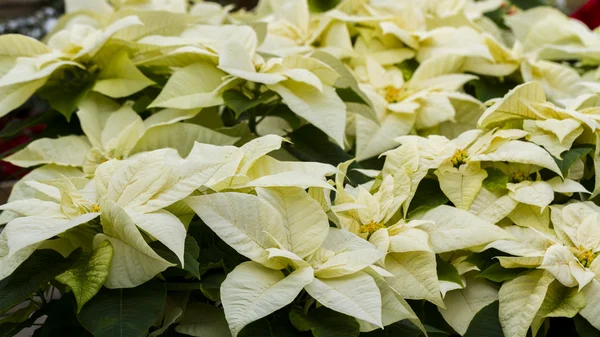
(35, 17)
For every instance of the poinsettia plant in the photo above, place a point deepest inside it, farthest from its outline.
(366, 168)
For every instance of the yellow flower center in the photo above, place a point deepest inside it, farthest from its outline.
(519, 177)
(95, 208)
(393, 94)
(371, 227)
(586, 257)
(459, 158)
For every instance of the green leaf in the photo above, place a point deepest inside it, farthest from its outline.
(348, 95)
(20, 315)
(497, 273)
(62, 319)
(64, 91)
(498, 16)
(12, 329)
(203, 320)
(527, 4)
(348, 82)
(41, 268)
(486, 323)
(405, 329)
(569, 157)
(211, 286)
(88, 275)
(238, 102)
(312, 144)
(284, 112)
(434, 322)
(496, 179)
(408, 68)
(276, 325)
(124, 312)
(322, 5)
(584, 328)
(429, 195)
(486, 88)
(485, 259)
(324, 322)
(214, 252)
(16, 126)
(190, 257)
(446, 271)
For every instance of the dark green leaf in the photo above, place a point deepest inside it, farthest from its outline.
(485, 259)
(322, 5)
(498, 17)
(527, 4)
(59, 126)
(543, 331)
(324, 322)
(405, 329)
(56, 126)
(496, 179)
(397, 329)
(142, 103)
(446, 271)
(284, 112)
(312, 144)
(12, 329)
(211, 285)
(190, 256)
(497, 273)
(202, 319)
(486, 323)
(41, 268)
(584, 328)
(276, 325)
(428, 196)
(214, 253)
(165, 253)
(16, 126)
(238, 102)
(65, 90)
(434, 322)
(408, 68)
(62, 320)
(435, 332)
(348, 95)
(569, 157)
(20, 315)
(559, 327)
(486, 88)
(124, 312)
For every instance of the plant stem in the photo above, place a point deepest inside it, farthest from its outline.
(252, 120)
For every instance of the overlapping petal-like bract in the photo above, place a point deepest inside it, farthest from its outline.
(207, 149)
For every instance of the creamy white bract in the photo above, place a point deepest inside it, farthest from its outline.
(386, 79)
